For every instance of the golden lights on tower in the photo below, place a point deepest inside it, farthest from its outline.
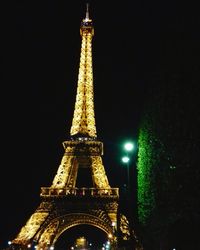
(83, 123)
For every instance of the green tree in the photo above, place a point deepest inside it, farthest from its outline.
(168, 158)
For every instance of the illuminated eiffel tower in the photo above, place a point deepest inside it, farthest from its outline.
(64, 204)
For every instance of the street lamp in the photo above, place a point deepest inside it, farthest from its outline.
(128, 147)
(125, 159)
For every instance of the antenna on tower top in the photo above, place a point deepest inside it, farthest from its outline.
(87, 11)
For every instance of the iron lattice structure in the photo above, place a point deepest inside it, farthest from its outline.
(63, 204)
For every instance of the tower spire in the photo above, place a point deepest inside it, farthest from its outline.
(87, 12)
(83, 123)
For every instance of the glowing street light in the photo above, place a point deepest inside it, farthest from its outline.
(128, 147)
(125, 159)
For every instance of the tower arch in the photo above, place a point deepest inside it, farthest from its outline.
(58, 225)
(84, 219)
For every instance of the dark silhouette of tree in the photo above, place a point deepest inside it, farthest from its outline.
(168, 153)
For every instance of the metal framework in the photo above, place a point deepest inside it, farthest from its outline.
(63, 204)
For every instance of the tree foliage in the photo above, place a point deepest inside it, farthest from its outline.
(168, 155)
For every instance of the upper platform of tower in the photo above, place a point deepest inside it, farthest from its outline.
(86, 24)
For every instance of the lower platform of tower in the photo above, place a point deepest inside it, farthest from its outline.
(58, 213)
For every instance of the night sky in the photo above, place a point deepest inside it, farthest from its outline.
(40, 70)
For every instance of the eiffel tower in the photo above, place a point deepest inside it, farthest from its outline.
(64, 204)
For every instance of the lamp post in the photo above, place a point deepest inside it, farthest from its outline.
(126, 159)
(128, 148)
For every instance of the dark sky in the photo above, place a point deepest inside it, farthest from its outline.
(40, 69)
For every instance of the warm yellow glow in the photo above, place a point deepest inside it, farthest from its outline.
(96, 206)
(110, 236)
(83, 122)
(98, 173)
(66, 175)
(113, 223)
(31, 227)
